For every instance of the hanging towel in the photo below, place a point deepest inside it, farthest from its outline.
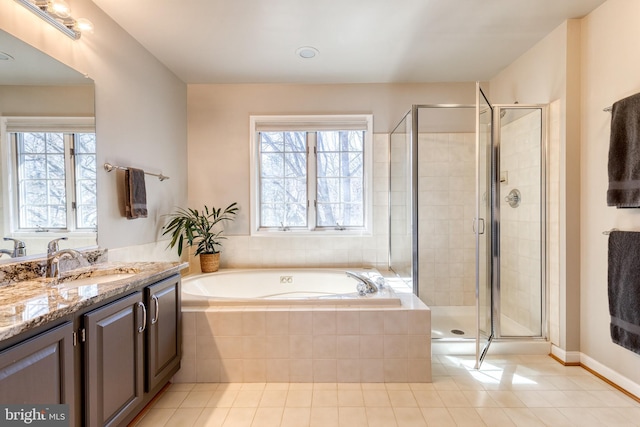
(135, 194)
(624, 289)
(624, 154)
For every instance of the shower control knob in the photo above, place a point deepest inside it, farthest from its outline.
(513, 198)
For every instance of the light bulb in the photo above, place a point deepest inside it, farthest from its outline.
(84, 25)
(60, 8)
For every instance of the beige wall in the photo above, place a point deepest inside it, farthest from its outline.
(219, 160)
(547, 72)
(611, 68)
(219, 126)
(140, 110)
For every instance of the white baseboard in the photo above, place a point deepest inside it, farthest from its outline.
(611, 375)
(568, 357)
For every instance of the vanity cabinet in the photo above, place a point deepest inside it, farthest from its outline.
(163, 344)
(106, 361)
(40, 369)
(132, 347)
(114, 360)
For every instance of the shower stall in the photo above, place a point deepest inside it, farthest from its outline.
(467, 217)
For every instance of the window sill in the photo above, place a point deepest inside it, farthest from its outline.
(311, 233)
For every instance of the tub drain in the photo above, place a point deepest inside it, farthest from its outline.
(457, 332)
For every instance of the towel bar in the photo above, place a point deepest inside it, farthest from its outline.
(109, 167)
(606, 233)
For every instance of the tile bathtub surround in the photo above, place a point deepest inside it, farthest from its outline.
(507, 391)
(315, 344)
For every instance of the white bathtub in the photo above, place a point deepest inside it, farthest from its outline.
(282, 286)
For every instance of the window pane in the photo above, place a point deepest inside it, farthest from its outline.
(33, 166)
(34, 192)
(87, 216)
(328, 190)
(340, 189)
(272, 191)
(86, 187)
(55, 166)
(41, 179)
(295, 142)
(283, 184)
(56, 193)
(296, 191)
(57, 217)
(85, 166)
(85, 143)
(272, 165)
(295, 164)
(55, 143)
(328, 164)
(86, 193)
(271, 142)
(272, 215)
(31, 142)
(296, 215)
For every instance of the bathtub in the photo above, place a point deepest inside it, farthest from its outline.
(282, 286)
(300, 325)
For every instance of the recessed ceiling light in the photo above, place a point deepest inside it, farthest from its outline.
(5, 57)
(307, 52)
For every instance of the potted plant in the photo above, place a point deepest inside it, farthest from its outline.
(202, 228)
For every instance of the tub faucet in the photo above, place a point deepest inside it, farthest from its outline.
(366, 285)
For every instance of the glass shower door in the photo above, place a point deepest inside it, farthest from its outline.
(483, 226)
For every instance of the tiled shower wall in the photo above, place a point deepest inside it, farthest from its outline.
(520, 262)
(446, 186)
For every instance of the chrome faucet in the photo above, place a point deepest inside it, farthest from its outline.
(19, 248)
(54, 246)
(366, 285)
(54, 255)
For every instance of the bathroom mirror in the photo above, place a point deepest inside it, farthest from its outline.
(39, 94)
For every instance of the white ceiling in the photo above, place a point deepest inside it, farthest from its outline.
(360, 41)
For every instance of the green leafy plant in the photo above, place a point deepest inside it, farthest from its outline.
(198, 227)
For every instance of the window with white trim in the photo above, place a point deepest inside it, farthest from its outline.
(311, 173)
(53, 176)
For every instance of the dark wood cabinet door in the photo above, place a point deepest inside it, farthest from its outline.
(114, 360)
(164, 348)
(40, 370)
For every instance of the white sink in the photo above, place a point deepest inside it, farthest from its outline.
(94, 280)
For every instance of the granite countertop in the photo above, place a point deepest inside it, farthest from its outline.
(30, 303)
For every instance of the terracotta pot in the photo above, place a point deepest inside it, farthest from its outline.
(209, 263)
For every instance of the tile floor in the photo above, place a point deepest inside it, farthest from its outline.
(507, 391)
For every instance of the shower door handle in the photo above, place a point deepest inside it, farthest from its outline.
(480, 222)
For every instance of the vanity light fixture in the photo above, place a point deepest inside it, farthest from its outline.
(58, 14)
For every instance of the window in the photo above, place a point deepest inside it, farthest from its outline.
(53, 177)
(311, 173)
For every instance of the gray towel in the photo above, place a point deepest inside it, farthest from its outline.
(624, 289)
(135, 194)
(624, 154)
